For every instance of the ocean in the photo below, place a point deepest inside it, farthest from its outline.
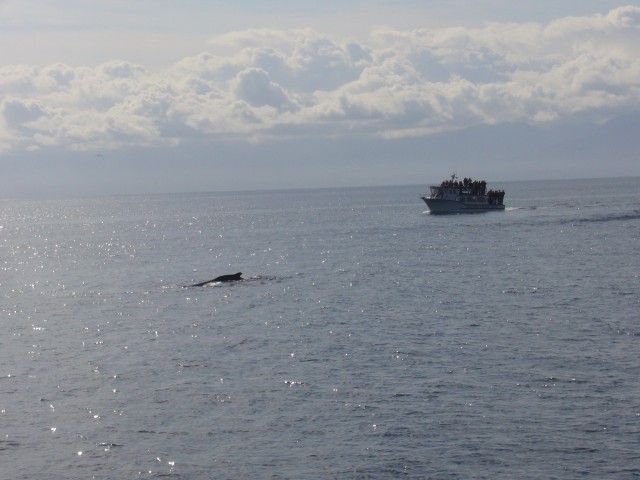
(368, 340)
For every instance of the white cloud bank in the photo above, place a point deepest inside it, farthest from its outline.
(261, 84)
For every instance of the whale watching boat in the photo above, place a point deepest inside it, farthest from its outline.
(463, 196)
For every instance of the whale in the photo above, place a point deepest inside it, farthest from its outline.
(235, 277)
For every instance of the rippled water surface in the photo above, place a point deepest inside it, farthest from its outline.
(369, 339)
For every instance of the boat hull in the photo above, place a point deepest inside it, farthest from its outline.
(440, 206)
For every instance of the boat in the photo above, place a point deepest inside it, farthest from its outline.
(463, 196)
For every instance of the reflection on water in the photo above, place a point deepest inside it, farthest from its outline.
(369, 340)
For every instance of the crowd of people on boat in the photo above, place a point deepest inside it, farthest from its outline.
(495, 197)
(475, 187)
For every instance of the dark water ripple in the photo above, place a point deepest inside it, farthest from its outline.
(370, 340)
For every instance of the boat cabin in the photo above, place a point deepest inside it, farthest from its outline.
(458, 194)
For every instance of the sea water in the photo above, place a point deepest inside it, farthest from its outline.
(369, 339)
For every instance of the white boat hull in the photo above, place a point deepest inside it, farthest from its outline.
(439, 206)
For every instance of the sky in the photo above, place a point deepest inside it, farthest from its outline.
(158, 96)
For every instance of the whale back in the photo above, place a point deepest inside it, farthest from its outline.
(235, 277)
(228, 278)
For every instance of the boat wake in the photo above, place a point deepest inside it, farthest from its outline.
(635, 215)
(530, 207)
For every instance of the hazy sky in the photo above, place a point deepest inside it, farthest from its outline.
(158, 95)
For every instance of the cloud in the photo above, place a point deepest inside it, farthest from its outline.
(254, 86)
(262, 83)
(19, 113)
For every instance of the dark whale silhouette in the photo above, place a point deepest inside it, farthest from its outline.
(236, 277)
